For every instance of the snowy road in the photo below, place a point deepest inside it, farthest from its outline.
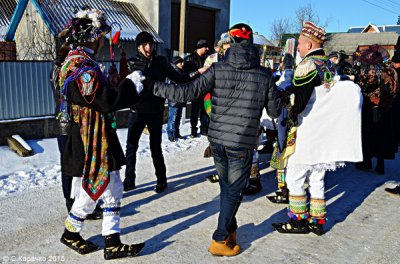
(363, 222)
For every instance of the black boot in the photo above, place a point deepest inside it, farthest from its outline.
(268, 148)
(281, 196)
(115, 249)
(316, 229)
(380, 166)
(364, 165)
(129, 183)
(253, 187)
(193, 134)
(97, 213)
(292, 227)
(161, 185)
(77, 243)
(69, 202)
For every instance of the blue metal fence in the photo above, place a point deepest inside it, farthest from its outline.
(25, 89)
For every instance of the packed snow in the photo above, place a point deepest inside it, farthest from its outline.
(177, 225)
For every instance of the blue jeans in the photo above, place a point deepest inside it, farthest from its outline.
(174, 119)
(233, 167)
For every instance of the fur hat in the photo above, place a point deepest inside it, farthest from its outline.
(88, 25)
(311, 31)
(143, 37)
(241, 33)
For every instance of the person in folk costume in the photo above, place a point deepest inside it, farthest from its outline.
(240, 88)
(62, 127)
(379, 86)
(149, 110)
(284, 85)
(396, 117)
(322, 113)
(93, 153)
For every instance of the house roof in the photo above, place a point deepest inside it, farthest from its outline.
(384, 28)
(349, 42)
(56, 15)
(7, 8)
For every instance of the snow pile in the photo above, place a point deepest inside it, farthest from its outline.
(43, 169)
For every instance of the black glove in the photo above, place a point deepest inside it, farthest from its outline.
(137, 64)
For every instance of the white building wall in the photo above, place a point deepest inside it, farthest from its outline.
(33, 39)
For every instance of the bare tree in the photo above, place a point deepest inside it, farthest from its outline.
(307, 13)
(279, 27)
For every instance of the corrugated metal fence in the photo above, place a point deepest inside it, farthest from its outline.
(25, 89)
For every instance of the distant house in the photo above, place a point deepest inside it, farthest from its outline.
(352, 42)
(7, 8)
(375, 29)
(35, 23)
(205, 19)
(360, 38)
(7, 49)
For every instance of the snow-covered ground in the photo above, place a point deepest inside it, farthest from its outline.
(363, 222)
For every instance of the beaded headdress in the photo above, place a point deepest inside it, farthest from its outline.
(88, 25)
(311, 31)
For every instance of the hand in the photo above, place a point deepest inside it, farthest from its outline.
(203, 70)
(137, 77)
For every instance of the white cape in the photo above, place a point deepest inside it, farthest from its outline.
(329, 128)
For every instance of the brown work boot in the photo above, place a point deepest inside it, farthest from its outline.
(224, 248)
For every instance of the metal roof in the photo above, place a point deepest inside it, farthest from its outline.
(7, 8)
(384, 28)
(56, 14)
(349, 42)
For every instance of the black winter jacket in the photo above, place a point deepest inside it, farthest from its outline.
(193, 62)
(240, 88)
(155, 69)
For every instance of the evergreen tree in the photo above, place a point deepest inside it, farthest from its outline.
(398, 20)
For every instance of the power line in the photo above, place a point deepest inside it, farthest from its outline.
(394, 2)
(380, 7)
(389, 5)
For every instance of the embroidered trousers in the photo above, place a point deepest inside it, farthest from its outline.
(295, 180)
(84, 205)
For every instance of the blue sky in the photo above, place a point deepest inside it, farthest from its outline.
(259, 14)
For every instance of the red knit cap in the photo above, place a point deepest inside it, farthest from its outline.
(241, 33)
(311, 31)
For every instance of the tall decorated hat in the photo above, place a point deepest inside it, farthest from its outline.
(313, 32)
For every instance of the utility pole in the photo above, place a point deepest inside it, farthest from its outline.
(182, 28)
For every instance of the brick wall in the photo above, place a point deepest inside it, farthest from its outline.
(8, 51)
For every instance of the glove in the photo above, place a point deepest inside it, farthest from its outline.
(137, 77)
(137, 65)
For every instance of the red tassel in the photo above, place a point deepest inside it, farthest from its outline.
(116, 37)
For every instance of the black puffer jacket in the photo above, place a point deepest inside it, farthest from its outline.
(240, 89)
(158, 69)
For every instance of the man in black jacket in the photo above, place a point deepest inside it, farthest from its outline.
(194, 62)
(240, 89)
(148, 111)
